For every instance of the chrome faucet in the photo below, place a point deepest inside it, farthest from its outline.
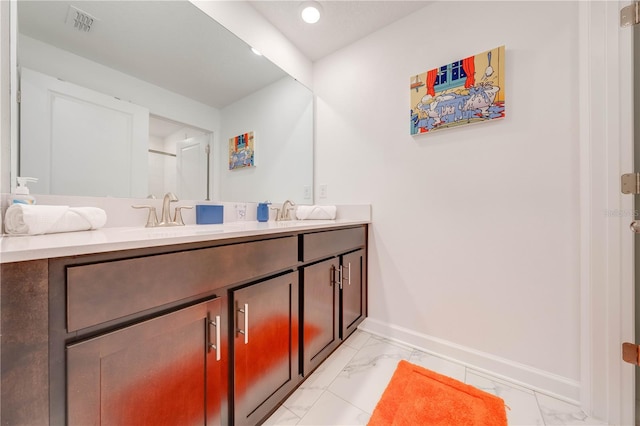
(169, 198)
(285, 212)
(152, 219)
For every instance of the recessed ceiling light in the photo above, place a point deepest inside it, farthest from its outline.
(256, 51)
(310, 12)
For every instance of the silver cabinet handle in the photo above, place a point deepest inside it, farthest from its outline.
(245, 311)
(341, 275)
(635, 227)
(333, 271)
(216, 346)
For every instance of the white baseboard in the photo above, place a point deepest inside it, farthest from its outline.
(531, 378)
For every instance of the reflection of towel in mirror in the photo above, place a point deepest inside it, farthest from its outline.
(26, 219)
(316, 212)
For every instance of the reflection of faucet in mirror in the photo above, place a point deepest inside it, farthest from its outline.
(285, 212)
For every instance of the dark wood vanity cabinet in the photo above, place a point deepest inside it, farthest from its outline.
(353, 295)
(334, 291)
(213, 333)
(24, 348)
(321, 331)
(265, 346)
(166, 370)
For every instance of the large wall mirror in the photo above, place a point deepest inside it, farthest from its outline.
(139, 98)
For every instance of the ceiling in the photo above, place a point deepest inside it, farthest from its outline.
(342, 21)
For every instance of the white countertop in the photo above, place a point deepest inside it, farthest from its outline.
(22, 248)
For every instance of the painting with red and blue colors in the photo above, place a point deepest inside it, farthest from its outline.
(467, 91)
(241, 151)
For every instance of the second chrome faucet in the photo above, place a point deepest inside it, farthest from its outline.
(165, 217)
(285, 212)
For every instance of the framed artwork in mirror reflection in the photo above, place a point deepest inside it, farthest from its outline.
(242, 151)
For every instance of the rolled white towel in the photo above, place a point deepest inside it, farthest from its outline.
(316, 212)
(26, 219)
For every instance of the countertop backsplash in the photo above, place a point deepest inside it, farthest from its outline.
(121, 214)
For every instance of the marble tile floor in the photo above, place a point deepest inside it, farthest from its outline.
(345, 389)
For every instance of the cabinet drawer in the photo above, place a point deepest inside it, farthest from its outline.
(327, 243)
(106, 291)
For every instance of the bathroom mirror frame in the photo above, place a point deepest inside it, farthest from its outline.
(303, 194)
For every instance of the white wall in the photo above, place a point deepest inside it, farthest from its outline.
(281, 116)
(474, 245)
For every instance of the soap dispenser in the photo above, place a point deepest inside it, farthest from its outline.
(21, 194)
(263, 211)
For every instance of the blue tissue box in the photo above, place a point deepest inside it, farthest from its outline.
(206, 214)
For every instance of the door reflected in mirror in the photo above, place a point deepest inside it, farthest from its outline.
(179, 160)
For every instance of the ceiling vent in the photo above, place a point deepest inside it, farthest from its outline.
(79, 19)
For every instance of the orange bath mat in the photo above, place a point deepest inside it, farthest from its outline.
(417, 396)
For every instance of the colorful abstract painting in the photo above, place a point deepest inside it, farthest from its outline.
(241, 151)
(470, 90)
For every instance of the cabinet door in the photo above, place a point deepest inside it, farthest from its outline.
(321, 333)
(353, 297)
(265, 346)
(159, 372)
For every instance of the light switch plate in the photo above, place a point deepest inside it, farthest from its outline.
(323, 190)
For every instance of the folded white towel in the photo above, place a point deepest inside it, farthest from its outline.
(316, 212)
(26, 219)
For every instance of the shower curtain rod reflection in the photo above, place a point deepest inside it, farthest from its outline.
(155, 151)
